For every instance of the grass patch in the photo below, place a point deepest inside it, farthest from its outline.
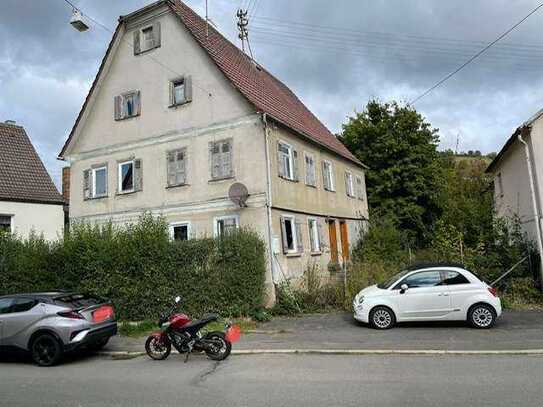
(137, 329)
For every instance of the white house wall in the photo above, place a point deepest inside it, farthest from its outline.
(40, 219)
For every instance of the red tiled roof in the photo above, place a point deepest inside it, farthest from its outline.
(258, 86)
(263, 90)
(23, 176)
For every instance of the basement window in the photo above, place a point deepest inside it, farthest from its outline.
(5, 223)
(180, 231)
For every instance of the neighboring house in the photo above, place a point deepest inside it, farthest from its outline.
(177, 114)
(518, 177)
(29, 201)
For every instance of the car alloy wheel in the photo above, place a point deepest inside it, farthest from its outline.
(46, 350)
(482, 317)
(382, 318)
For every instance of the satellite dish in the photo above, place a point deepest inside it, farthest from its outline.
(238, 194)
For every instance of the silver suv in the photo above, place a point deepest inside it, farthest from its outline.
(49, 324)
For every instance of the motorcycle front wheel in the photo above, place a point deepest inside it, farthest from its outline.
(219, 348)
(157, 349)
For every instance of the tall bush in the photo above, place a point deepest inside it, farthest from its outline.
(140, 269)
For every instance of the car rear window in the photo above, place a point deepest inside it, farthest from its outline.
(78, 300)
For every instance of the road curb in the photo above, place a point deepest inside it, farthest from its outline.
(129, 354)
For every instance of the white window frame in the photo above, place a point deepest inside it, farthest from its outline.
(290, 157)
(174, 102)
(120, 179)
(350, 185)
(93, 175)
(306, 156)
(143, 44)
(225, 217)
(172, 225)
(124, 104)
(230, 143)
(292, 220)
(315, 234)
(330, 175)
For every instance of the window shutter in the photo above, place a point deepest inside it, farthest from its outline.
(87, 184)
(118, 106)
(284, 235)
(137, 48)
(137, 103)
(299, 237)
(280, 165)
(321, 236)
(227, 159)
(138, 175)
(188, 88)
(214, 160)
(325, 179)
(181, 166)
(156, 33)
(295, 165)
(170, 167)
(172, 91)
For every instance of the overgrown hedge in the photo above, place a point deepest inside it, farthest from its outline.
(140, 269)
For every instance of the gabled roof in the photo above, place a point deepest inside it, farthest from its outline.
(511, 140)
(265, 92)
(23, 176)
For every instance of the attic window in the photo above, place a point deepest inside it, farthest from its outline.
(147, 38)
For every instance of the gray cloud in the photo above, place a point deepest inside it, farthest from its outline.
(334, 55)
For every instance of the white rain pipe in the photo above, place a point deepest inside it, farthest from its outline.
(534, 204)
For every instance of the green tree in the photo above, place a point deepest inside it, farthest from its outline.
(404, 174)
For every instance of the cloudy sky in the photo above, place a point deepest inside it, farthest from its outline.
(334, 54)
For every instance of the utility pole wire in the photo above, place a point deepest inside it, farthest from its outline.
(474, 57)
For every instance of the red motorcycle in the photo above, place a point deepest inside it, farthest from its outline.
(185, 335)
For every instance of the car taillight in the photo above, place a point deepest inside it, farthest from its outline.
(493, 291)
(71, 315)
(103, 314)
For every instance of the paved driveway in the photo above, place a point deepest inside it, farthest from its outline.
(513, 331)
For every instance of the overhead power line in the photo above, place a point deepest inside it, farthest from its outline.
(474, 57)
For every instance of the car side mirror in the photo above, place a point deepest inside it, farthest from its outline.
(403, 288)
(177, 299)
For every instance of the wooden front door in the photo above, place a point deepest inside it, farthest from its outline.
(344, 240)
(333, 240)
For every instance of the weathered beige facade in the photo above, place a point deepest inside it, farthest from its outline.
(217, 111)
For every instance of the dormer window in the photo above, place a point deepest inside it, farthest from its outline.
(147, 38)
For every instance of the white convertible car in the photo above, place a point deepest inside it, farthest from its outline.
(429, 293)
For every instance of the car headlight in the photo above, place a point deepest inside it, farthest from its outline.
(359, 299)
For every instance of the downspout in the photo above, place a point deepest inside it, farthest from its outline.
(269, 195)
(534, 203)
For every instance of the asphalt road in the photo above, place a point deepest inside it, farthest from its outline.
(278, 380)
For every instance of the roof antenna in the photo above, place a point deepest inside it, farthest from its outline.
(243, 35)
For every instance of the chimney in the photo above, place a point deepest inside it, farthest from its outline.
(66, 183)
